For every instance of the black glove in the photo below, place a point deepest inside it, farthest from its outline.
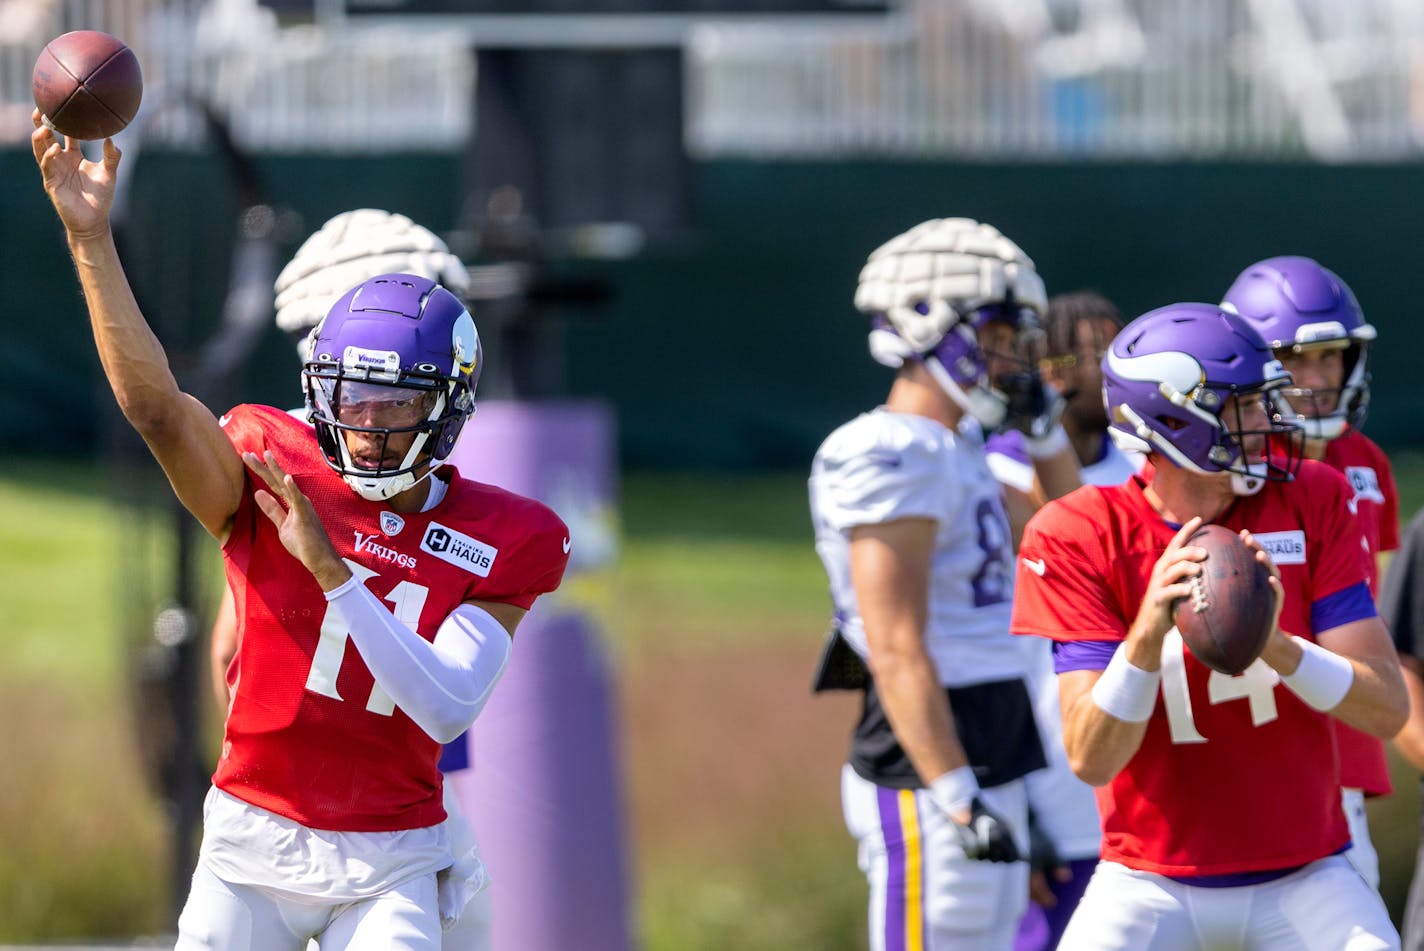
(1033, 406)
(985, 837)
(1042, 854)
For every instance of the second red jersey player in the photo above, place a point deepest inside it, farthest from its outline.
(1310, 319)
(1208, 780)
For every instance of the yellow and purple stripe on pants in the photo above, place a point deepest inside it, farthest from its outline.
(905, 870)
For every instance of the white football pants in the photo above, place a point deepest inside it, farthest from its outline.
(924, 894)
(222, 916)
(1325, 906)
(1362, 852)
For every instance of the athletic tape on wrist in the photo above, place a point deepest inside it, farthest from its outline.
(1126, 692)
(1323, 677)
(1049, 445)
(954, 792)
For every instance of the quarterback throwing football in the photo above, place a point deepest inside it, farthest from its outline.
(377, 595)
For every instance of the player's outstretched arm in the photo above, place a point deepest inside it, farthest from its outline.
(1105, 712)
(182, 433)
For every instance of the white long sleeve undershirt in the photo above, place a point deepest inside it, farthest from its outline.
(441, 685)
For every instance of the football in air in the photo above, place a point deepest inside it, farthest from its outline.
(87, 84)
(1228, 618)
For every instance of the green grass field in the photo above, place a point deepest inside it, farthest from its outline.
(718, 583)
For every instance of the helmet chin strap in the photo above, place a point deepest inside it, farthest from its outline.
(388, 487)
(1247, 484)
(984, 406)
(380, 488)
(1323, 428)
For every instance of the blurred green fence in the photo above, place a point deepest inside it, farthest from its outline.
(738, 346)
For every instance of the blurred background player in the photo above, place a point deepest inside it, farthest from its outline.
(1078, 327)
(325, 817)
(912, 532)
(1401, 604)
(1314, 325)
(353, 247)
(1222, 823)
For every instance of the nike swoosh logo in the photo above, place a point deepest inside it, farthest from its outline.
(568, 543)
(224, 419)
(1037, 567)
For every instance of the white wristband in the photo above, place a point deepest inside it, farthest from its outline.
(954, 791)
(1050, 444)
(1126, 692)
(1323, 677)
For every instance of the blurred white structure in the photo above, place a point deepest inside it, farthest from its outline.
(295, 89)
(1156, 79)
(1333, 80)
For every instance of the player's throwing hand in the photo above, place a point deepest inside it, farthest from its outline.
(82, 191)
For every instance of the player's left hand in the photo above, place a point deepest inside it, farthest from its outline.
(1170, 581)
(82, 191)
(1044, 865)
(1034, 406)
(298, 525)
(985, 837)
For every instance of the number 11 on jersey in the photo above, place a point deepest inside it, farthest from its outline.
(408, 600)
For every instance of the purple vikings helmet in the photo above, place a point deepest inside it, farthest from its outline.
(403, 343)
(929, 291)
(1166, 381)
(1296, 304)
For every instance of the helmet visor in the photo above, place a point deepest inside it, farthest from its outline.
(376, 406)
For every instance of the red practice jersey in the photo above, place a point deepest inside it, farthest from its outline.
(310, 735)
(1363, 764)
(1234, 774)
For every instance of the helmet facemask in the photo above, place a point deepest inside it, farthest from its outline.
(1252, 455)
(989, 373)
(1324, 412)
(376, 414)
(1264, 453)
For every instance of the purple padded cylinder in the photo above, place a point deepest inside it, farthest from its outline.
(544, 790)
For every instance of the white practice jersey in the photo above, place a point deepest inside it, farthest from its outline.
(882, 466)
(1010, 463)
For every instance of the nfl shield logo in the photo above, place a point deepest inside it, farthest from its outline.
(391, 523)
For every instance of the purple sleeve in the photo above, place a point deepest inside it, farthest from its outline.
(1082, 655)
(1348, 604)
(1010, 444)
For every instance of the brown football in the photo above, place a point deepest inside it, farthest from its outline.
(87, 84)
(1227, 620)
